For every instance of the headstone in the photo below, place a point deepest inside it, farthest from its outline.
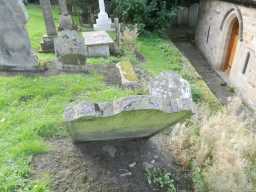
(97, 43)
(70, 51)
(103, 23)
(131, 117)
(47, 44)
(15, 47)
(65, 18)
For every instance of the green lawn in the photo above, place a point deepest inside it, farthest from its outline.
(36, 29)
(31, 108)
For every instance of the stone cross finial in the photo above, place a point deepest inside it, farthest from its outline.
(48, 45)
(63, 7)
(103, 22)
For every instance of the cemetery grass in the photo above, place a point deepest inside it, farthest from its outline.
(31, 109)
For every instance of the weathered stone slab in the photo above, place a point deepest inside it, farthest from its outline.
(174, 90)
(70, 51)
(15, 47)
(129, 78)
(131, 117)
(97, 43)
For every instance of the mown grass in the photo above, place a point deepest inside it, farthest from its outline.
(31, 110)
(36, 29)
(161, 55)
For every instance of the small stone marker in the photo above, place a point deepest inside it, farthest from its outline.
(70, 51)
(97, 43)
(103, 23)
(132, 117)
(15, 47)
(47, 44)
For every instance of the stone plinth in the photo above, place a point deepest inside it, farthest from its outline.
(97, 43)
(103, 23)
(15, 47)
(131, 117)
(70, 51)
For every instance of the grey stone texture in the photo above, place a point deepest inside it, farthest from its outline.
(215, 20)
(98, 43)
(15, 47)
(134, 116)
(65, 18)
(47, 44)
(70, 51)
(173, 90)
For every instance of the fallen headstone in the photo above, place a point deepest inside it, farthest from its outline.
(15, 47)
(131, 117)
(70, 51)
(129, 78)
(97, 43)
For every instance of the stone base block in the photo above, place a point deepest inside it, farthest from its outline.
(98, 51)
(47, 44)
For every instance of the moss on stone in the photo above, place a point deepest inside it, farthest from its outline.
(126, 125)
(128, 71)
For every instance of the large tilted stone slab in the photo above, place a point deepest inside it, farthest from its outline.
(15, 47)
(128, 118)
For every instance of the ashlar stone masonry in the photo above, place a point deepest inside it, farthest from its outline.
(215, 40)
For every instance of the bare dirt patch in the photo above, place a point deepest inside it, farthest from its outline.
(107, 166)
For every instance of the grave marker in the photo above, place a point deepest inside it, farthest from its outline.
(47, 44)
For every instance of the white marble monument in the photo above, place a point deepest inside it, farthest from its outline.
(103, 23)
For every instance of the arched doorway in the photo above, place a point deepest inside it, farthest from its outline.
(232, 42)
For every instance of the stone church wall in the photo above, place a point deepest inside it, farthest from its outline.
(212, 38)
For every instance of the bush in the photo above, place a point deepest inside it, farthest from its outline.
(150, 15)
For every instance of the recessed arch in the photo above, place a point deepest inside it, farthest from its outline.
(231, 14)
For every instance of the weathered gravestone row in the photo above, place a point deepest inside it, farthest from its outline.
(169, 102)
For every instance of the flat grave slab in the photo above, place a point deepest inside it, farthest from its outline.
(97, 43)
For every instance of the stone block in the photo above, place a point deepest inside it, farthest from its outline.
(70, 51)
(131, 117)
(97, 43)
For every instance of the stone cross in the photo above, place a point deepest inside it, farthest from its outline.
(47, 45)
(102, 7)
(103, 22)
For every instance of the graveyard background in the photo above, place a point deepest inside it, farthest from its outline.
(31, 107)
